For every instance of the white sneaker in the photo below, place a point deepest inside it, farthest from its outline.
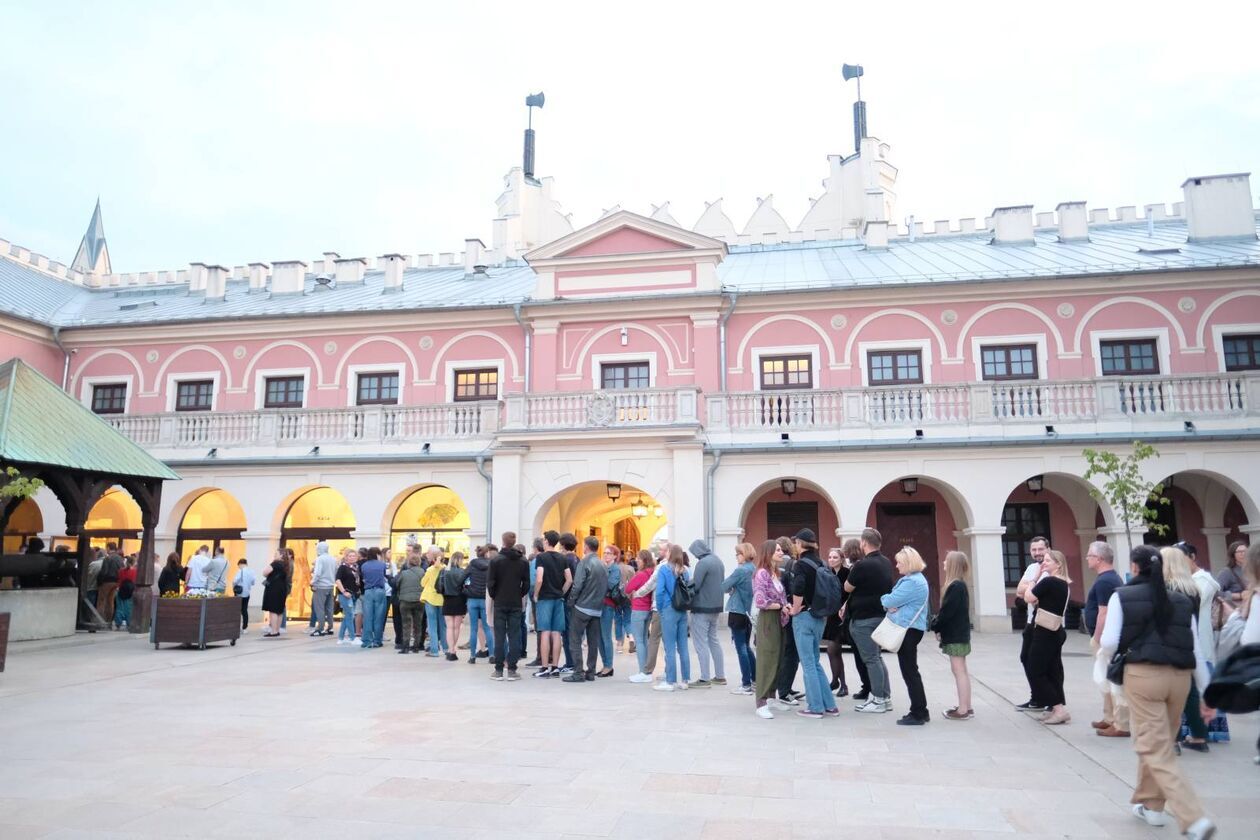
(640, 678)
(341, 641)
(1201, 829)
(1155, 818)
(874, 706)
(663, 687)
(764, 713)
(779, 706)
(244, 630)
(682, 686)
(357, 643)
(744, 690)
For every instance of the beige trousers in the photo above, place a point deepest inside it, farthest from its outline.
(1117, 714)
(653, 642)
(1157, 695)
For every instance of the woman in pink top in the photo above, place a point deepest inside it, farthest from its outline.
(770, 600)
(641, 615)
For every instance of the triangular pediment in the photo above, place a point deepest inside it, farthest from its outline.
(623, 233)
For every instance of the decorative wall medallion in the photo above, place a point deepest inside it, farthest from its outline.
(426, 343)
(601, 410)
(949, 316)
(151, 356)
(839, 322)
(1187, 304)
(1066, 310)
(239, 351)
(330, 347)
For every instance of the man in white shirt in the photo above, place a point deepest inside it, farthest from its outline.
(195, 577)
(1037, 548)
(215, 571)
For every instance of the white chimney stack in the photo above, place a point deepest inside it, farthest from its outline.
(472, 255)
(349, 271)
(1073, 222)
(196, 277)
(216, 282)
(258, 276)
(329, 263)
(393, 264)
(288, 277)
(1219, 207)
(1013, 225)
(876, 235)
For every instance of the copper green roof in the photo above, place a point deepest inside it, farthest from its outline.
(41, 424)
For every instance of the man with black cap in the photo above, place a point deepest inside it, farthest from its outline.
(810, 595)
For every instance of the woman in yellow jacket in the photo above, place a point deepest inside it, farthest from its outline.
(432, 599)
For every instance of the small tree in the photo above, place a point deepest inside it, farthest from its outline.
(1124, 488)
(18, 486)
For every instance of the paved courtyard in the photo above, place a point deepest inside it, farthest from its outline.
(101, 736)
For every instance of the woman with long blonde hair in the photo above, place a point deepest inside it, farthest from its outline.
(770, 599)
(952, 626)
(1045, 653)
(1178, 578)
(673, 622)
(455, 605)
(739, 614)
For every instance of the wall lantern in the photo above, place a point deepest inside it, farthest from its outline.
(638, 509)
(614, 492)
(658, 511)
(788, 486)
(1036, 484)
(909, 486)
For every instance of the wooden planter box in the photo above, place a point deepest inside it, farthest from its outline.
(195, 621)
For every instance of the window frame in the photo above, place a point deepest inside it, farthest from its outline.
(123, 386)
(1006, 349)
(598, 360)
(359, 376)
(894, 353)
(476, 397)
(626, 365)
(1220, 332)
(810, 370)
(181, 383)
(260, 384)
(266, 388)
(1007, 572)
(1253, 351)
(1160, 334)
(1128, 344)
(923, 345)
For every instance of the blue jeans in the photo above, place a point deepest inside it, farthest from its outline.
(674, 636)
(347, 617)
(477, 613)
(437, 629)
(122, 612)
(808, 633)
(621, 616)
(606, 635)
(373, 616)
(639, 627)
(747, 660)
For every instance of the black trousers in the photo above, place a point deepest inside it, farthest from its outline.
(1024, 644)
(908, 661)
(399, 641)
(581, 624)
(508, 626)
(1045, 666)
(788, 664)
(245, 613)
(570, 659)
(412, 614)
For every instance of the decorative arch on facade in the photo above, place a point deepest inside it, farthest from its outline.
(316, 368)
(375, 339)
(1233, 487)
(774, 319)
(451, 342)
(1200, 334)
(874, 316)
(213, 517)
(585, 348)
(1051, 328)
(160, 377)
(585, 505)
(1116, 301)
(26, 521)
(434, 514)
(82, 368)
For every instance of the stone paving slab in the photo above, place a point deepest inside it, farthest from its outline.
(102, 736)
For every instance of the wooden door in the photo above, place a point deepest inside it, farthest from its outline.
(912, 524)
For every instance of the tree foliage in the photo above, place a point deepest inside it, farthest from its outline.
(1125, 489)
(17, 486)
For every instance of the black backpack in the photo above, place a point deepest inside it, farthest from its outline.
(453, 581)
(827, 597)
(684, 594)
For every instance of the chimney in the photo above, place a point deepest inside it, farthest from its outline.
(1013, 225)
(258, 276)
(288, 277)
(1219, 207)
(876, 235)
(349, 271)
(329, 262)
(393, 264)
(196, 277)
(1073, 222)
(472, 255)
(216, 282)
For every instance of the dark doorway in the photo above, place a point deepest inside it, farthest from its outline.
(786, 519)
(909, 524)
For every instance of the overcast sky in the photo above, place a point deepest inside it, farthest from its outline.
(232, 132)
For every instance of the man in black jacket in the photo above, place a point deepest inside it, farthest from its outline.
(507, 583)
(475, 593)
(869, 579)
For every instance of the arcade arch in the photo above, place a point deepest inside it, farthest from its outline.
(115, 518)
(590, 509)
(924, 513)
(318, 514)
(431, 515)
(215, 519)
(25, 521)
(771, 512)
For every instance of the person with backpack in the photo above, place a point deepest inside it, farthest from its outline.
(674, 596)
(789, 661)
(705, 611)
(475, 596)
(433, 598)
(906, 606)
(126, 590)
(815, 595)
(612, 603)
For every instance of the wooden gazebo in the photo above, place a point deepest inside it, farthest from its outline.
(47, 434)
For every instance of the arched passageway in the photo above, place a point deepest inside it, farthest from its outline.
(319, 514)
(615, 513)
(433, 515)
(216, 520)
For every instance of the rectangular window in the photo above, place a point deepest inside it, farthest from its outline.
(194, 396)
(787, 518)
(1128, 357)
(109, 399)
(895, 367)
(377, 389)
(782, 372)
(1022, 523)
(1242, 352)
(479, 384)
(284, 392)
(624, 376)
(1008, 361)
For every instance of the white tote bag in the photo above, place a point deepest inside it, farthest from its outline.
(889, 635)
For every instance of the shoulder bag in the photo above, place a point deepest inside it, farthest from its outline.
(1047, 620)
(889, 635)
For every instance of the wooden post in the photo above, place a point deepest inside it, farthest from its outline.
(142, 600)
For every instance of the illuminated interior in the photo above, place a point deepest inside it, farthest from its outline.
(318, 514)
(433, 516)
(634, 520)
(115, 518)
(25, 521)
(215, 519)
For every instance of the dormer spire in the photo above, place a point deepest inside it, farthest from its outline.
(93, 254)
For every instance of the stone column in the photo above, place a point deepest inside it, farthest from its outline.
(988, 582)
(507, 513)
(724, 542)
(1215, 554)
(687, 518)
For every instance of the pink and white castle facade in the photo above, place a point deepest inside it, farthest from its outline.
(636, 378)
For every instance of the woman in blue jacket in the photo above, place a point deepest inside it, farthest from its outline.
(907, 607)
(739, 615)
(673, 622)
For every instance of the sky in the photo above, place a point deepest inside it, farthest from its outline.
(231, 132)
